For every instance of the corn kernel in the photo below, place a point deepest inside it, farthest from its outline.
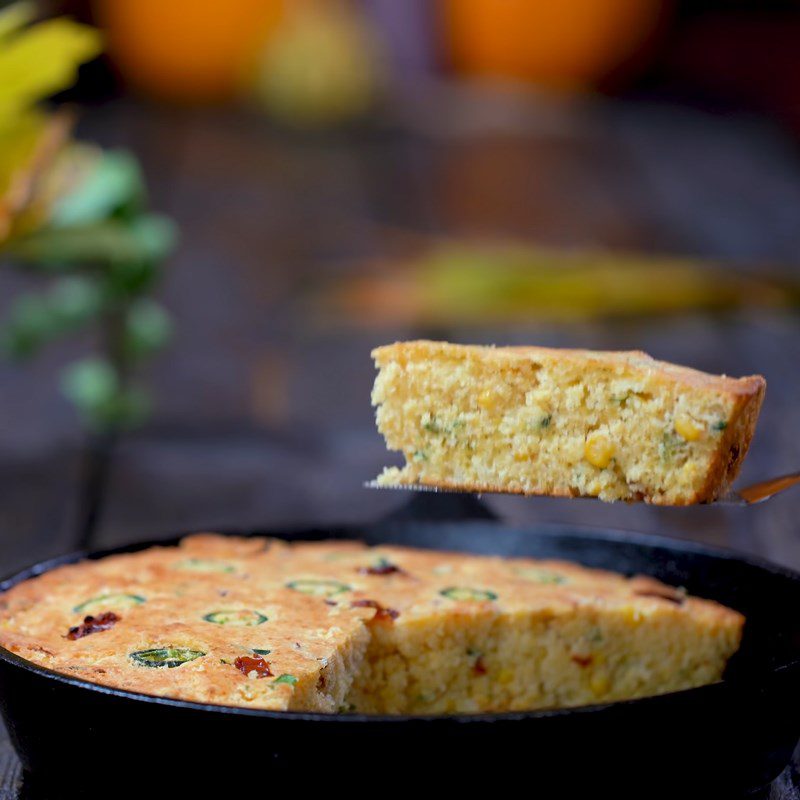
(687, 428)
(599, 684)
(632, 615)
(522, 455)
(505, 676)
(598, 659)
(598, 450)
(487, 400)
(689, 472)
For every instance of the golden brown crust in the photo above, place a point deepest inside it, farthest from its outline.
(748, 386)
(734, 445)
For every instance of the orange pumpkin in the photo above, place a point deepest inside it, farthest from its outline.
(556, 43)
(185, 50)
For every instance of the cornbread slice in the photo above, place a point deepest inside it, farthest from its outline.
(338, 626)
(535, 420)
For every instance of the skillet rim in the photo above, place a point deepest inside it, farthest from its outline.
(549, 530)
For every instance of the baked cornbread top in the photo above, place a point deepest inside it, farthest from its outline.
(261, 623)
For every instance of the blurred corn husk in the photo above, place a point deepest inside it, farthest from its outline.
(485, 283)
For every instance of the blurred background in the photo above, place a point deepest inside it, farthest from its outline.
(343, 173)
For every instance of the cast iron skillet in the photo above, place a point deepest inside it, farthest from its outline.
(718, 741)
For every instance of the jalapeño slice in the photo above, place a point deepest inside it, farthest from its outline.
(165, 656)
(204, 565)
(467, 593)
(318, 587)
(107, 602)
(242, 618)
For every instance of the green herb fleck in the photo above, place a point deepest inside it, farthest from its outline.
(433, 424)
(420, 455)
(720, 425)
(670, 444)
(259, 651)
(430, 424)
(290, 679)
(595, 636)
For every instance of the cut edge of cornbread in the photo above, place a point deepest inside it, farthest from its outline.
(536, 420)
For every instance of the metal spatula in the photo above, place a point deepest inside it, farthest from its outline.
(746, 496)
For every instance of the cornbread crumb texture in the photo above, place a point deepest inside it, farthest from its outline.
(618, 426)
(338, 626)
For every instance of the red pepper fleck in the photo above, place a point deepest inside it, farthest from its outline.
(381, 613)
(93, 625)
(382, 568)
(257, 664)
(479, 667)
(331, 603)
(582, 661)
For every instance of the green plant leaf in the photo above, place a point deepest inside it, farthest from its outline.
(156, 235)
(113, 186)
(121, 244)
(131, 408)
(75, 300)
(29, 325)
(148, 329)
(93, 385)
(81, 244)
(35, 319)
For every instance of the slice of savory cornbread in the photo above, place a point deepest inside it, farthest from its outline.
(331, 626)
(534, 420)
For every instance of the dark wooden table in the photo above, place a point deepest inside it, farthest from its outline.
(263, 415)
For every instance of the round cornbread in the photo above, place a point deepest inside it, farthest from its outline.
(338, 626)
